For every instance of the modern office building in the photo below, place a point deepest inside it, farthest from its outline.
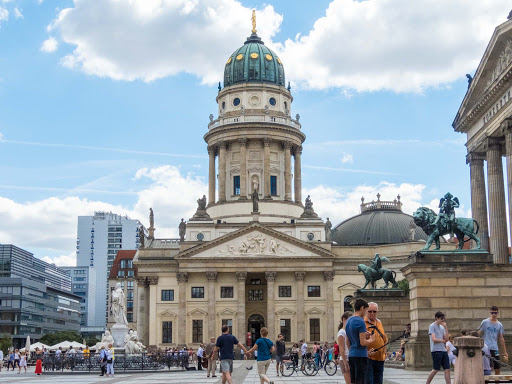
(99, 238)
(35, 297)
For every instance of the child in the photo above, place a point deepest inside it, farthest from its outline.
(23, 362)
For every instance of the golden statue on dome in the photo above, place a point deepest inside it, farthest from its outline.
(253, 21)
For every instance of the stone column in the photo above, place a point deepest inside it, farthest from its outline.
(182, 278)
(329, 277)
(211, 176)
(497, 210)
(243, 168)
(143, 309)
(222, 171)
(271, 306)
(212, 279)
(241, 277)
(297, 171)
(152, 281)
(478, 196)
(506, 127)
(287, 171)
(266, 168)
(301, 312)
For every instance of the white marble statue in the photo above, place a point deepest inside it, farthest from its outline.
(117, 306)
(106, 339)
(132, 344)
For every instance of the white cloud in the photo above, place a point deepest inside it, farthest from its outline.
(347, 158)
(61, 261)
(17, 13)
(50, 45)
(1, 136)
(4, 14)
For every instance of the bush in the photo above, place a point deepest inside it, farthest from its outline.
(91, 341)
(404, 286)
(5, 343)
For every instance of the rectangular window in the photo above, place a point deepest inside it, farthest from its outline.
(197, 331)
(285, 291)
(167, 332)
(131, 273)
(130, 285)
(129, 306)
(129, 317)
(198, 292)
(313, 291)
(256, 295)
(129, 263)
(167, 294)
(229, 323)
(123, 263)
(129, 296)
(120, 273)
(314, 329)
(273, 185)
(226, 292)
(286, 329)
(236, 185)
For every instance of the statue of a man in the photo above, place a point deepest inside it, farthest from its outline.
(328, 226)
(151, 218)
(255, 198)
(412, 231)
(182, 228)
(447, 206)
(117, 306)
(201, 203)
(309, 203)
(377, 263)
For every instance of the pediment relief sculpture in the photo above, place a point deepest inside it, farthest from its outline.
(256, 244)
(503, 61)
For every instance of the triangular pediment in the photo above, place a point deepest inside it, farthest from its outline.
(256, 241)
(226, 312)
(315, 311)
(285, 312)
(197, 312)
(349, 286)
(167, 313)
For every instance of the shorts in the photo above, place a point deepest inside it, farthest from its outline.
(495, 356)
(262, 367)
(226, 366)
(279, 359)
(440, 359)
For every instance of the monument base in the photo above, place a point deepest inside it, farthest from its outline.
(255, 217)
(119, 332)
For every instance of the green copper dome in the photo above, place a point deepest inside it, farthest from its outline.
(255, 63)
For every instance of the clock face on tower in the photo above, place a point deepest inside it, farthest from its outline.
(311, 236)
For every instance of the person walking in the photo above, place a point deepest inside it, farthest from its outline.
(224, 346)
(295, 353)
(200, 352)
(280, 351)
(10, 362)
(109, 354)
(212, 357)
(358, 339)
(376, 350)
(265, 347)
(438, 334)
(343, 347)
(303, 349)
(22, 362)
(39, 362)
(103, 360)
(492, 331)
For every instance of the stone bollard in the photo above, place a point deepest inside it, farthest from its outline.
(469, 368)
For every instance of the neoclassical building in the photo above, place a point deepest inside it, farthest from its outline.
(256, 255)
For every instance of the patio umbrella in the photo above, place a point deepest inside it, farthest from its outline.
(27, 346)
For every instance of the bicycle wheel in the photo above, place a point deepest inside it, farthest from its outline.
(288, 368)
(330, 367)
(310, 368)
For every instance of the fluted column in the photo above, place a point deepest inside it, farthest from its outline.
(211, 176)
(301, 312)
(243, 168)
(222, 171)
(212, 279)
(506, 127)
(266, 167)
(329, 277)
(152, 281)
(182, 278)
(297, 176)
(478, 196)
(143, 309)
(271, 306)
(287, 171)
(241, 277)
(497, 210)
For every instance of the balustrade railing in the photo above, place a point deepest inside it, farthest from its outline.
(254, 119)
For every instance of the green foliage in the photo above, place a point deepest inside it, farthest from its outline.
(404, 286)
(59, 337)
(5, 343)
(91, 341)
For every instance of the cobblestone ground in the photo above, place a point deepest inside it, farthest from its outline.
(241, 375)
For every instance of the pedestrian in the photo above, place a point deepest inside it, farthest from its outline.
(86, 352)
(58, 352)
(1, 359)
(200, 351)
(109, 353)
(103, 360)
(16, 359)
(280, 351)
(224, 346)
(492, 331)
(265, 347)
(39, 362)
(336, 352)
(10, 362)
(438, 334)
(450, 348)
(377, 349)
(358, 338)
(22, 362)
(343, 346)
(316, 353)
(212, 357)
(303, 349)
(295, 353)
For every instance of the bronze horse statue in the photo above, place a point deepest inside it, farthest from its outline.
(371, 276)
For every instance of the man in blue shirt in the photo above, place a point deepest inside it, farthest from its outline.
(357, 340)
(224, 346)
(492, 331)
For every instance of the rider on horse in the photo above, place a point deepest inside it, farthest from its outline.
(376, 264)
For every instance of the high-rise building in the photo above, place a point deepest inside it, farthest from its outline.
(99, 237)
(35, 297)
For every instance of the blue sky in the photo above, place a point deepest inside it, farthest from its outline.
(110, 112)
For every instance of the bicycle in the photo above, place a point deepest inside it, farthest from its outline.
(307, 367)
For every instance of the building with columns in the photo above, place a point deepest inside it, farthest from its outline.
(253, 254)
(485, 116)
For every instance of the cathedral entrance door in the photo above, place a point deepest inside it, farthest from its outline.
(255, 323)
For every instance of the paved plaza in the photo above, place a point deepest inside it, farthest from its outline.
(241, 376)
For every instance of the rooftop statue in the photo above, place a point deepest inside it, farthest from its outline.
(255, 198)
(446, 223)
(328, 226)
(182, 229)
(308, 204)
(375, 272)
(201, 203)
(151, 218)
(141, 236)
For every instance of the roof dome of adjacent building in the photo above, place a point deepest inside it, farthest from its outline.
(254, 62)
(380, 222)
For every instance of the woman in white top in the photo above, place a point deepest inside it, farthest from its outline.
(450, 349)
(342, 336)
(23, 362)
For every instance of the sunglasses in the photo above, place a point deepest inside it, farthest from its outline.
(494, 312)
(372, 311)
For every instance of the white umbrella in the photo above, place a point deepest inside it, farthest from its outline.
(27, 345)
(65, 345)
(33, 347)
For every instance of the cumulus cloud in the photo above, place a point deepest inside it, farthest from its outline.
(50, 45)
(61, 261)
(4, 14)
(17, 13)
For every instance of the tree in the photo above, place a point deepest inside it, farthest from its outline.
(5, 343)
(59, 337)
(404, 286)
(90, 341)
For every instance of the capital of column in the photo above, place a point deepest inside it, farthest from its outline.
(222, 145)
(270, 276)
(182, 277)
(241, 276)
(297, 150)
(211, 276)
(329, 275)
(475, 158)
(141, 281)
(267, 142)
(287, 145)
(152, 280)
(243, 142)
(493, 143)
(300, 275)
(211, 150)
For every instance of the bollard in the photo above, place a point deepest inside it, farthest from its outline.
(469, 368)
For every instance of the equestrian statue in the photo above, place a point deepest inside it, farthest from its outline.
(375, 272)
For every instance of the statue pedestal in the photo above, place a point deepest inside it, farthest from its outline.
(255, 217)
(119, 331)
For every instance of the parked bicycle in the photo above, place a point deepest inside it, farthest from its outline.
(307, 366)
